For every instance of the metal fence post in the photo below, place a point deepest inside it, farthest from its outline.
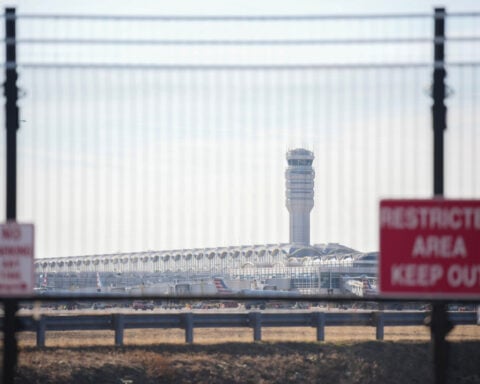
(11, 113)
(10, 350)
(439, 324)
(439, 110)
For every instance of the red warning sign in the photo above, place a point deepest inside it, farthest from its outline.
(430, 248)
(16, 259)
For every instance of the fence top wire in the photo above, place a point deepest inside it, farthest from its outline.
(242, 67)
(214, 67)
(241, 18)
(222, 18)
(82, 41)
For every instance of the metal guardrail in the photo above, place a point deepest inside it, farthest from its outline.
(188, 321)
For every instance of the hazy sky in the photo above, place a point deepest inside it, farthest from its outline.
(119, 160)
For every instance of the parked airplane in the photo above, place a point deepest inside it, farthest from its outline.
(370, 288)
(99, 283)
(266, 297)
(45, 288)
(363, 286)
(223, 288)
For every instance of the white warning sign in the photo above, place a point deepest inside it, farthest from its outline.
(16, 259)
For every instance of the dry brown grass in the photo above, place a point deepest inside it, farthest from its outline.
(368, 362)
(228, 355)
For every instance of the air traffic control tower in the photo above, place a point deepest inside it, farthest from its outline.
(299, 194)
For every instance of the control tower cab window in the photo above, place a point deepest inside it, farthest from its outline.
(299, 162)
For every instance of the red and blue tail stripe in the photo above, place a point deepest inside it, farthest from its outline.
(221, 286)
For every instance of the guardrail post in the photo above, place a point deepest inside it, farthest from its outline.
(379, 322)
(319, 322)
(188, 324)
(256, 323)
(41, 328)
(118, 326)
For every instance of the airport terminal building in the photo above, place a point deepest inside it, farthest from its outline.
(297, 265)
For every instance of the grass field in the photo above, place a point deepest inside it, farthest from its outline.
(286, 355)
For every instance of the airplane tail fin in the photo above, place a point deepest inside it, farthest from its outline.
(99, 282)
(221, 286)
(45, 281)
(369, 288)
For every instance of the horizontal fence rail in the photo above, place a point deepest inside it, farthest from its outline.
(188, 321)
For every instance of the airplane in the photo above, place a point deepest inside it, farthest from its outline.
(369, 288)
(99, 288)
(261, 302)
(363, 286)
(44, 287)
(99, 283)
(222, 288)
